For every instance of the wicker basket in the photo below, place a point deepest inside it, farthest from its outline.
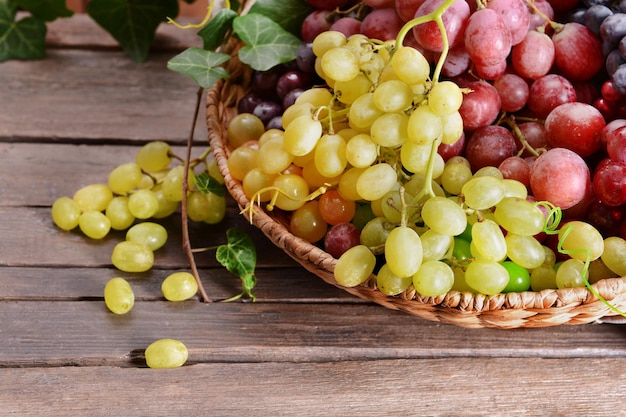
(511, 310)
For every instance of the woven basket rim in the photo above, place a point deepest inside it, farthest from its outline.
(549, 307)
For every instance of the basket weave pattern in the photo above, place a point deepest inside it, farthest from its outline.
(511, 310)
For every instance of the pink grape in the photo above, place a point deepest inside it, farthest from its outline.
(576, 126)
(609, 182)
(327, 4)
(340, 238)
(314, 24)
(489, 146)
(560, 176)
(513, 91)
(515, 15)
(610, 127)
(616, 144)
(457, 61)
(516, 168)
(487, 39)
(480, 106)
(383, 24)
(577, 52)
(533, 56)
(491, 72)
(379, 4)
(454, 20)
(535, 134)
(406, 8)
(537, 20)
(346, 25)
(548, 92)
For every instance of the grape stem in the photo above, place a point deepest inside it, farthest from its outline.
(205, 20)
(510, 121)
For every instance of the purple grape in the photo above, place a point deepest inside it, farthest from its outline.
(305, 58)
(267, 110)
(594, 16)
(291, 80)
(340, 238)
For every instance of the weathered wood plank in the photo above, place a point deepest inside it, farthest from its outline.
(83, 333)
(434, 387)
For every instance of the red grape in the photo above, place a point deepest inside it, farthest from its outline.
(513, 91)
(576, 126)
(515, 15)
(535, 134)
(454, 149)
(537, 20)
(487, 39)
(491, 72)
(611, 126)
(533, 56)
(383, 24)
(609, 182)
(406, 8)
(314, 24)
(454, 20)
(548, 92)
(577, 52)
(606, 219)
(489, 146)
(336, 209)
(516, 168)
(340, 238)
(616, 144)
(327, 4)
(347, 25)
(480, 106)
(457, 61)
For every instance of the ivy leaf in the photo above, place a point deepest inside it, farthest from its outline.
(208, 184)
(25, 39)
(214, 32)
(132, 22)
(238, 255)
(289, 14)
(267, 43)
(201, 65)
(47, 10)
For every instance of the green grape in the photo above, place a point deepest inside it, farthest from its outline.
(327, 40)
(393, 96)
(348, 183)
(569, 274)
(375, 232)
(403, 251)
(119, 296)
(330, 155)
(435, 245)
(217, 210)
(296, 110)
(316, 97)
(486, 277)
(389, 130)
(488, 241)
(410, 65)
(374, 66)
(166, 207)
(295, 191)
(213, 170)
(459, 281)
(244, 127)
(154, 156)
(94, 197)
(130, 256)
(519, 216)
(198, 206)
(314, 178)
(462, 249)
(614, 255)
(581, 240)
(166, 353)
(543, 278)
(415, 185)
(489, 171)
(444, 216)
(598, 270)
(254, 181)
(390, 284)
(363, 112)
(391, 205)
(125, 177)
(354, 266)
(348, 91)
(444, 98)
(65, 213)
(361, 150)
(455, 176)
(147, 182)
(362, 215)
(172, 185)
(519, 277)
(308, 223)
(514, 188)
(94, 224)
(525, 251)
(483, 192)
(433, 278)
(340, 64)
(273, 158)
(302, 135)
(415, 157)
(376, 181)
(424, 126)
(241, 161)
(118, 213)
(179, 286)
(452, 128)
(143, 204)
(153, 235)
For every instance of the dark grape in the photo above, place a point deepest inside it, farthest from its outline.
(340, 238)
(267, 110)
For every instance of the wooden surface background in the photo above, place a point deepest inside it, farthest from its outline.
(304, 348)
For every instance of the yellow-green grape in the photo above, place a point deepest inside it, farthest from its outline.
(94, 224)
(393, 96)
(254, 181)
(302, 135)
(363, 112)
(459, 281)
(416, 158)
(390, 284)
(243, 128)
(347, 183)
(348, 91)
(326, 41)
(172, 185)
(435, 246)
(526, 251)
(452, 128)
(455, 176)
(445, 97)
(486, 277)
(424, 126)
(543, 278)
(130, 256)
(166, 353)
(125, 177)
(143, 204)
(154, 156)
(295, 191)
(514, 188)
(273, 158)
(403, 251)
(340, 64)
(314, 178)
(581, 240)
(569, 274)
(391, 205)
(488, 240)
(354, 266)
(410, 65)
(166, 207)
(376, 181)
(444, 216)
(330, 155)
(296, 110)
(481, 193)
(198, 206)
(316, 97)
(213, 170)
(614, 255)
(118, 213)
(519, 216)
(93, 197)
(119, 296)
(65, 213)
(489, 171)
(153, 235)
(179, 286)
(375, 232)
(433, 278)
(241, 161)
(389, 130)
(598, 270)
(217, 210)
(361, 150)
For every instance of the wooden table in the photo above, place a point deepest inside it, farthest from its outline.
(304, 348)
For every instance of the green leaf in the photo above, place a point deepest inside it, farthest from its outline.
(208, 184)
(201, 65)
(214, 33)
(267, 44)
(132, 22)
(25, 39)
(47, 10)
(287, 13)
(238, 255)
